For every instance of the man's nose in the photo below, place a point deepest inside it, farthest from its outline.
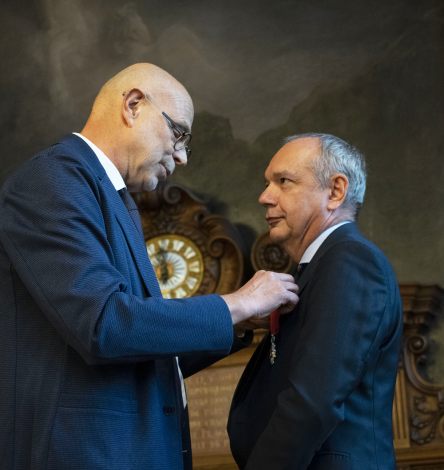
(268, 198)
(180, 157)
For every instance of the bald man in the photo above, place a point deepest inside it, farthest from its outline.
(92, 356)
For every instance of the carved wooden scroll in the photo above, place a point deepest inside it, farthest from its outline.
(180, 224)
(269, 256)
(418, 409)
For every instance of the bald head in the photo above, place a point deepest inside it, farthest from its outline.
(152, 80)
(127, 124)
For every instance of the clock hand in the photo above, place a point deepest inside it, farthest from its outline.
(161, 258)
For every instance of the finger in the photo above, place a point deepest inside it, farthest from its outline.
(262, 324)
(251, 325)
(283, 277)
(291, 286)
(289, 306)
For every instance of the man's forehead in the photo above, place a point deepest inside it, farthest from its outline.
(182, 110)
(301, 149)
(297, 152)
(177, 104)
(293, 158)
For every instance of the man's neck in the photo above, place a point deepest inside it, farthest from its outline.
(105, 142)
(297, 248)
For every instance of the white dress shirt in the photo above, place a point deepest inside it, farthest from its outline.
(314, 246)
(117, 181)
(111, 169)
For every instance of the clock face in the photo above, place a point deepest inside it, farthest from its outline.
(178, 265)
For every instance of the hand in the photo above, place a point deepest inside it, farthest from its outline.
(264, 292)
(253, 323)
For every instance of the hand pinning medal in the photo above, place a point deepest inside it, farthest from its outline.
(274, 330)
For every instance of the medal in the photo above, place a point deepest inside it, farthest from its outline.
(274, 318)
(274, 330)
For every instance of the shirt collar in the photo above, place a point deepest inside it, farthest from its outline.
(313, 248)
(111, 170)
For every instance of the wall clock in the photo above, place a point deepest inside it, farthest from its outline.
(193, 252)
(178, 264)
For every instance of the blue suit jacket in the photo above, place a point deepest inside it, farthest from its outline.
(326, 403)
(88, 376)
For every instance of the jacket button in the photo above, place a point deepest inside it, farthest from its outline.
(169, 410)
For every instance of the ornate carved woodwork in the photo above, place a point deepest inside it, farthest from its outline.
(193, 251)
(269, 256)
(422, 407)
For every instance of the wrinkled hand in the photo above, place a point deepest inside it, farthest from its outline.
(264, 292)
(253, 323)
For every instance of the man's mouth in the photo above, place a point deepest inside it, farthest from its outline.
(167, 170)
(273, 220)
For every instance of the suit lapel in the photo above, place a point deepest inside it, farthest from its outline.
(251, 368)
(302, 282)
(336, 236)
(133, 238)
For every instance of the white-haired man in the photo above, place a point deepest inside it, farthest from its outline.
(318, 392)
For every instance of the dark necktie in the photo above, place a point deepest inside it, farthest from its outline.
(299, 271)
(132, 209)
(151, 279)
(186, 440)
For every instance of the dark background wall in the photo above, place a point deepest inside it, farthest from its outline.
(370, 72)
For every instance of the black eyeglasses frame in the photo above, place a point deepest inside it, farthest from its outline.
(182, 132)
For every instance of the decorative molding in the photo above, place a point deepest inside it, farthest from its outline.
(425, 400)
(401, 434)
(420, 306)
(424, 429)
(270, 256)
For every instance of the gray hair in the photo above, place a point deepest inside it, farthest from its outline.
(337, 156)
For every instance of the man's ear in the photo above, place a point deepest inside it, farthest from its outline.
(338, 191)
(131, 105)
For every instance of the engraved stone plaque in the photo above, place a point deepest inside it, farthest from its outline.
(209, 395)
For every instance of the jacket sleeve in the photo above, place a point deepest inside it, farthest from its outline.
(346, 317)
(53, 230)
(191, 364)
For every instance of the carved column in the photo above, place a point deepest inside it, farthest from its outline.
(420, 406)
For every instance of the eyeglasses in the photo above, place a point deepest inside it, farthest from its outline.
(183, 139)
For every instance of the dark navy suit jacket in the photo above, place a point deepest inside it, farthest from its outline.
(326, 403)
(88, 376)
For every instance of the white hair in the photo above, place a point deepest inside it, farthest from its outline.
(337, 156)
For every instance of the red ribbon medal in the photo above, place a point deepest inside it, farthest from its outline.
(274, 330)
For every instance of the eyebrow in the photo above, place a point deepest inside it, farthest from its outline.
(285, 174)
(183, 126)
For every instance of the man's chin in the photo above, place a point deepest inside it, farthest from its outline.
(277, 236)
(151, 184)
